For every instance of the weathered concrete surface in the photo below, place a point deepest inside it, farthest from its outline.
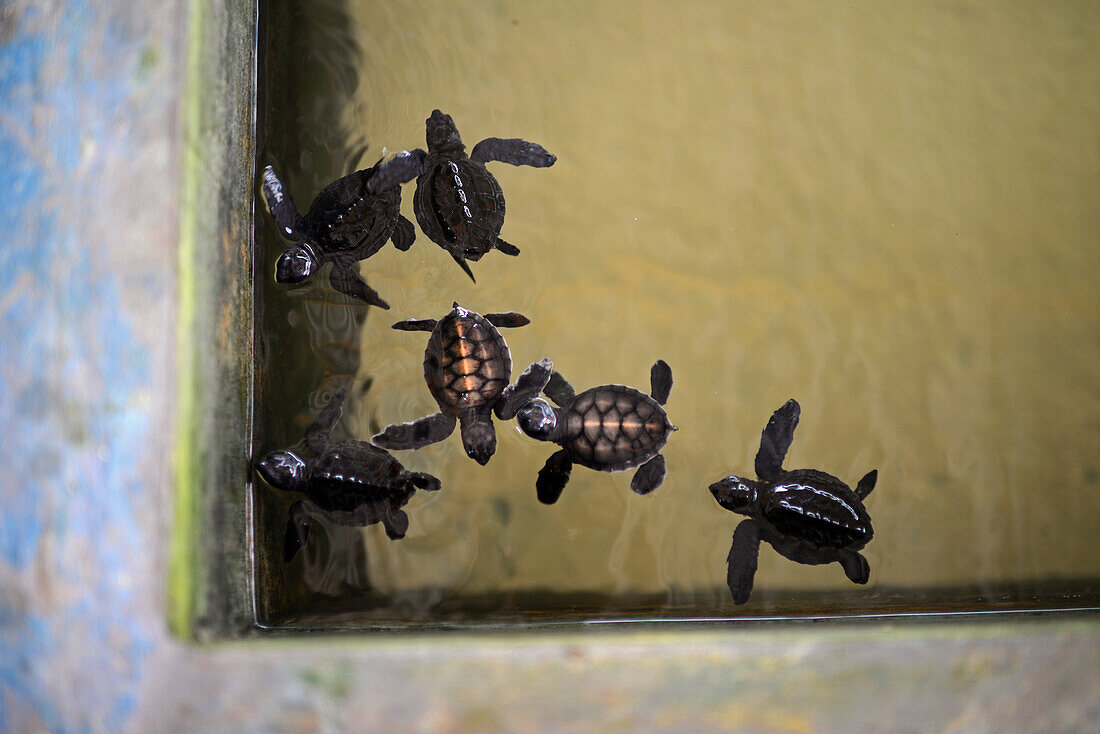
(913, 679)
(89, 151)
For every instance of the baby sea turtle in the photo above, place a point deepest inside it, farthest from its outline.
(346, 223)
(608, 428)
(807, 515)
(458, 203)
(348, 483)
(467, 366)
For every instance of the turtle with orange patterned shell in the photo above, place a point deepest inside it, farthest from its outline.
(467, 366)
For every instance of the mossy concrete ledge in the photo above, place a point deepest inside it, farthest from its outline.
(209, 574)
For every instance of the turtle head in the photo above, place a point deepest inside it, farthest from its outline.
(736, 494)
(537, 419)
(442, 134)
(296, 264)
(479, 439)
(282, 470)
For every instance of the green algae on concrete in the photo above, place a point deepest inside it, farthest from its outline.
(208, 581)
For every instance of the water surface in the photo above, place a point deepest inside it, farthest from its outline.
(888, 213)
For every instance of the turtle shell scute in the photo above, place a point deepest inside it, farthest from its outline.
(614, 427)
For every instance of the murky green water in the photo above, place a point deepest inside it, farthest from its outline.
(889, 213)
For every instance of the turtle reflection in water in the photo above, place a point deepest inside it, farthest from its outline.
(458, 203)
(608, 428)
(346, 223)
(807, 515)
(349, 483)
(467, 366)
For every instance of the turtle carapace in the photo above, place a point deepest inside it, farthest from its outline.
(458, 203)
(346, 223)
(807, 515)
(349, 483)
(467, 366)
(608, 428)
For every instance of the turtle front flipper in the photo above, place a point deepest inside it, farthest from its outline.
(660, 381)
(855, 566)
(553, 477)
(513, 151)
(416, 434)
(281, 206)
(559, 390)
(649, 475)
(318, 432)
(400, 169)
(506, 247)
(347, 281)
(297, 530)
(403, 234)
(741, 562)
(776, 439)
(866, 484)
(507, 320)
(527, 388)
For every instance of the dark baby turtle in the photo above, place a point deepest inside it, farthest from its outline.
(458, 203)
(346, 223)
(608, 428)
(807, 515)
(349, 483)
(467, 366)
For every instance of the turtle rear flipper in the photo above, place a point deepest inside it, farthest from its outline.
(347, 281)
(514, 151)
(297, 530)
(401, 168)
(396, 523)
(866, 484)
(660, 381)
(425, 481)
(416, 434)
(403, 234)
(527, 388)
(776, 439)
(855, 566)
(742, 560)
(318, 432)
(553, 477)
(282, 208)
(559, 390)
(506, 247)
(649, 475)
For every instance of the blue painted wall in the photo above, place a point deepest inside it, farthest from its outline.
(78, 107)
